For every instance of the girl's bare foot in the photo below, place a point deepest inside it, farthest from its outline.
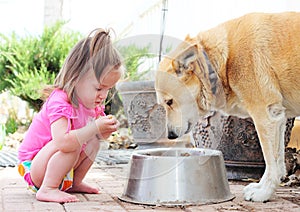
(83, 188)
(54, 195)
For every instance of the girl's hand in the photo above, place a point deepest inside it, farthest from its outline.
(106, 126)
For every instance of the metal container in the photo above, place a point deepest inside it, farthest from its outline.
(176, 176)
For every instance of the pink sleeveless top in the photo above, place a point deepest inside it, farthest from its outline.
(56, 106)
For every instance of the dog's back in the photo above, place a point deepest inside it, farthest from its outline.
(266, 46)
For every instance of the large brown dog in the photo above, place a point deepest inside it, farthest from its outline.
(248, 67)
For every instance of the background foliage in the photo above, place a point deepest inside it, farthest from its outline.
(134, 57)
(28, 64)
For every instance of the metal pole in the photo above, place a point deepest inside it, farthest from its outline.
(163, 24)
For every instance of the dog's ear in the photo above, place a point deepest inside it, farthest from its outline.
(184, 62)
(188, 38)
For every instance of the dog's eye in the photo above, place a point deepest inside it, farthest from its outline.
(169, 102)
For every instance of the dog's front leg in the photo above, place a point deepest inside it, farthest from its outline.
(270, 127)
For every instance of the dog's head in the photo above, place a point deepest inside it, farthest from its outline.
(185, 85)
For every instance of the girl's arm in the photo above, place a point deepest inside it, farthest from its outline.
(74, 139)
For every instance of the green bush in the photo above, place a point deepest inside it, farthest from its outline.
(29, 63)
(11, 124)
(133, 58)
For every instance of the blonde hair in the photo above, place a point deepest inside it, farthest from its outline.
(94, 52)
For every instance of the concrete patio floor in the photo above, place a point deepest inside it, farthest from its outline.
(111, 179)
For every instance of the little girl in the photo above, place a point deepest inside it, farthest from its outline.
(63, 138)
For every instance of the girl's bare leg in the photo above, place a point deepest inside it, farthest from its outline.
(47, 171)
(85, 161)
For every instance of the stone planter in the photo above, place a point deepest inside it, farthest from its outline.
(145, 117)
(238, 141)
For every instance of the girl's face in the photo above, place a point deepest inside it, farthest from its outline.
(91, 92)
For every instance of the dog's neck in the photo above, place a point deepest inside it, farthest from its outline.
(212, 74)
(217, 89)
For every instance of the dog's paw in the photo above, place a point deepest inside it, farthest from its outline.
(256, 192)
(251, 186)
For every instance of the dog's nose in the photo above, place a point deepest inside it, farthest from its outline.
(172, 135)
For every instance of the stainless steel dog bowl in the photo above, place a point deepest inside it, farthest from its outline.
(176, 176)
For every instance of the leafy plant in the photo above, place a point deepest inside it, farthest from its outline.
(134, 57)
(11, 124)
(28, 64)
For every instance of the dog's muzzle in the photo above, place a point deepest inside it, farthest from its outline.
(172, 134)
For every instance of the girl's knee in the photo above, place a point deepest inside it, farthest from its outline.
(92, 147)
(94, 144)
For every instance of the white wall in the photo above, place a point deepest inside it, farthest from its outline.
(208, 13)
(183, 16)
